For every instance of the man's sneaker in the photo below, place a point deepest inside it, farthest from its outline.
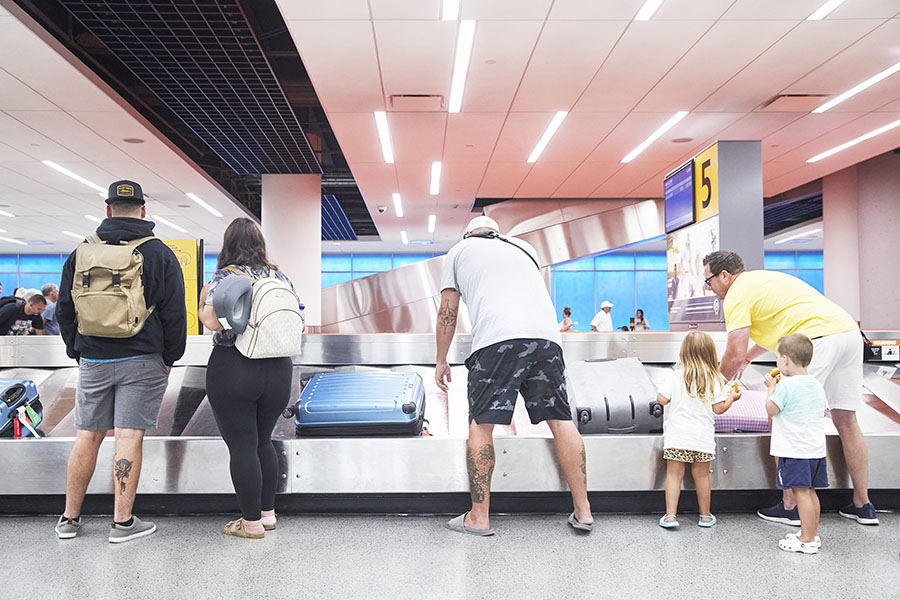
(864, 515)
(67, 528)
(779, 514)
(120, 533)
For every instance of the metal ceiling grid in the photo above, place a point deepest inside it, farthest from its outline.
(201, 59)
(788, 214)
(335, 225)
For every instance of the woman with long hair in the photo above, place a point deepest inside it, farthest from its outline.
(247, 395)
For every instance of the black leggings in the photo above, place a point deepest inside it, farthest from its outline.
(247, 397)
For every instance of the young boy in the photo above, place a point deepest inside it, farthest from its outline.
(797, 406)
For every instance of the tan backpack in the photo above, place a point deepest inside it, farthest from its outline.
(107, 288)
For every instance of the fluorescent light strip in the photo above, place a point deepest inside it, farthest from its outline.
(548, 133)
(450, 10)
(647, 10)
(209, 208)
(799, 235)
(403, 237)
(74, 176)
(432, 219)
(853, 142)
(398, 205)
(384, 134)
(435, 178)
(12, 241)
(824, 10)
(655, 135)
(461, 64)
(74, 235)
(3, 231)
(93, 218)
(857, 89)
(7, 214)
(169, 223)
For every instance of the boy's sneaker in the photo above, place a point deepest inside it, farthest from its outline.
(779, 514)
(120, 533)
(816, 543)
(67, 528)
(864, 515)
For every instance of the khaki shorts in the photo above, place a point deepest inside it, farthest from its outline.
(837, 363)
(124, 394)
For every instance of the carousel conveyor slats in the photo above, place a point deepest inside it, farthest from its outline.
(185, 455)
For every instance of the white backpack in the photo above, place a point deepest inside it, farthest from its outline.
(275, 326)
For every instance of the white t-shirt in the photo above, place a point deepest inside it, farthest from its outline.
(690, 424)
(602, 321)
(503, 290)
(798, 431)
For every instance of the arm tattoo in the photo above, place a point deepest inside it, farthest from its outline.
(480, 464)
(122, 471)
(447, 317)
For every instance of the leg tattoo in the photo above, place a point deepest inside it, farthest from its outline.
(583, 461)
(480, 465)
(122, 471)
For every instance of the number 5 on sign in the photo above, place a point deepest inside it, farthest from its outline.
(706, 183)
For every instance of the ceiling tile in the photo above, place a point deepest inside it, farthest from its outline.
(502, 179)
(406, 9)
(585, 179)
(505, 10)
(583, 10)
(427, 69)
(500, 54)
(544, 178)
(417, 136)
(313, 10)
(471, 136)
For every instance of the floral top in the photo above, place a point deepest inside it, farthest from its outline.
(226, 338)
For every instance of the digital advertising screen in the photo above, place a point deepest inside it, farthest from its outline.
(679, 197)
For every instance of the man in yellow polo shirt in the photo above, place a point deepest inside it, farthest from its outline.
(764, 306)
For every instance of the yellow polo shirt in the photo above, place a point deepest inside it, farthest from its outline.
(774, 304)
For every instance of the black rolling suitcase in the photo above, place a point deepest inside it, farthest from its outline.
(361, 404)
(613, 396)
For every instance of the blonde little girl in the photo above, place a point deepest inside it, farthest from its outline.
(692, 394)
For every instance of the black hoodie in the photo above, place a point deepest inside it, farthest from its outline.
(164, 332)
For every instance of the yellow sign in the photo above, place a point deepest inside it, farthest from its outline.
(187, 254)
(706, 183)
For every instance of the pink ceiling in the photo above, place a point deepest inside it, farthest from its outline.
(619, 80)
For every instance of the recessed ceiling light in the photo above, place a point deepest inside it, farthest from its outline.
(3, 231)
(647, 10)
(12, 241)
(655, 135)
(824, 10)
(93, 218)
(209, 208)
(74, 176)
(7, 214)
(464, 42)
(403, 237)
(858, 88)
(548, 133)
(74, 235)
(398, 205)
(855, 141)
(432, 219)
(435, 178)
(133, 141)
(384, 134)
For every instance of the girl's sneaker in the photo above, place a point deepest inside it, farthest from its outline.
(792, 544)
(817, 542)
(668, 524)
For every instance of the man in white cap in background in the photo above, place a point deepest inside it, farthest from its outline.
(515, 349)
(602, 321)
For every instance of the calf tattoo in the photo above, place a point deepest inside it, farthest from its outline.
(122, 471)
(583, 461)
(480, 464)
(447, 317)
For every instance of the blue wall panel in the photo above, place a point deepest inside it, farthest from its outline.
(650, 291)
(618, 288)
(575, 289)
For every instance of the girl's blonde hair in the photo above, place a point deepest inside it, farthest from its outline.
(701, 366)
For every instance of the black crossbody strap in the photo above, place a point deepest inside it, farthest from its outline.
(490, 235)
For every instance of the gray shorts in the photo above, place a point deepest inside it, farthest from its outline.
(124, 394)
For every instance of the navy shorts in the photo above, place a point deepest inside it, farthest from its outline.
(802, 473)
(500, 372)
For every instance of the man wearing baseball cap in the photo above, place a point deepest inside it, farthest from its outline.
(121, 378)
(515, 349)
(602, 321)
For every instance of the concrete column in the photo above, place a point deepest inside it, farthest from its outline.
(840, 235)
(292, 226)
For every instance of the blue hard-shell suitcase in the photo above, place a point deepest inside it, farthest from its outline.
(361, 403)
(13, 394)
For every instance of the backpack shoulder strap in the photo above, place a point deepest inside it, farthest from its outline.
(137, 242)
(94, 239)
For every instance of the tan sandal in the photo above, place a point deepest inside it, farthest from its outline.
(239, 531)
(268, 526)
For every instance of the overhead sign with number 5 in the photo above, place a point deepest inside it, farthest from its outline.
(706, 183)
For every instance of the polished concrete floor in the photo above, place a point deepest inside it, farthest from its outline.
(415, 557)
